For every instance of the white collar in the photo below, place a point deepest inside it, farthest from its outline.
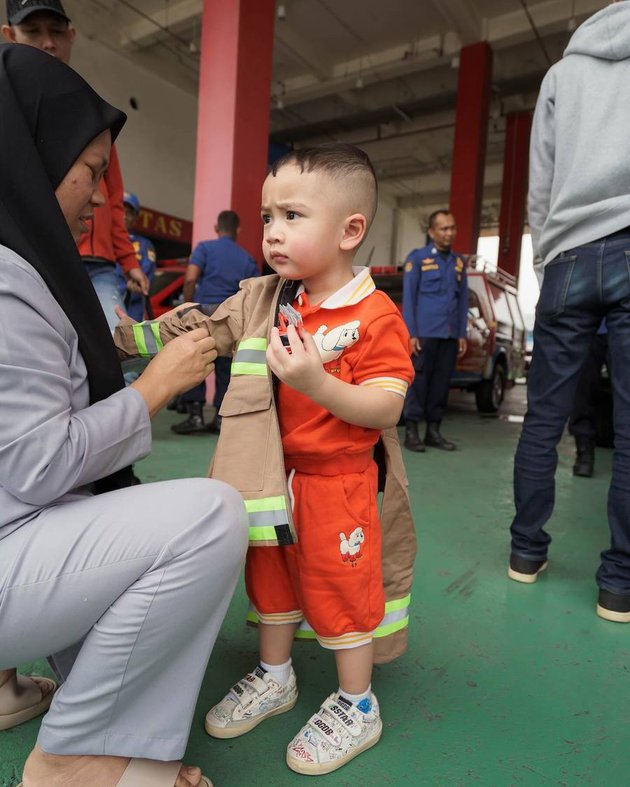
(358, 288)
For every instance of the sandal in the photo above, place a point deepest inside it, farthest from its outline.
(151, 773)
(23, 698)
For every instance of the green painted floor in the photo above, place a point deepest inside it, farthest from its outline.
(503, 684)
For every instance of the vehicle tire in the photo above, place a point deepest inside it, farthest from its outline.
(489, 393)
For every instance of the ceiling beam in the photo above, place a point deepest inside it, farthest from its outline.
(444, 100)
(550, 16)
(503, 30)
(302, 50)
(462, 17)
(380, 66)
(143, 32)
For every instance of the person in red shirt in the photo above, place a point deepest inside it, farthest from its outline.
(107, 242)
(45, 25)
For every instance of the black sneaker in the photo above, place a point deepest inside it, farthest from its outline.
(613, 606)
(523, 570)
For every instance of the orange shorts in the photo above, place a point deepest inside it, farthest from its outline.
(332, 577)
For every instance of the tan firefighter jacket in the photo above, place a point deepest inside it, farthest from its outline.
(249, 453)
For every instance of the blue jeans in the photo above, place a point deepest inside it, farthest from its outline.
(580, 287)
(105, 282)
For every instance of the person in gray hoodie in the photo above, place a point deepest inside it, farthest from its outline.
(579, 214)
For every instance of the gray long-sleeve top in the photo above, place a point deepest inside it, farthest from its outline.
(52, 441)
(579, 176)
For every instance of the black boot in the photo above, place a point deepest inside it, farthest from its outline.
(435, 439)
(412, 438)
(584, 457)
(215, 424)
(194, 424)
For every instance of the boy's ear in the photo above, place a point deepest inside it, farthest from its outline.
(354, 230)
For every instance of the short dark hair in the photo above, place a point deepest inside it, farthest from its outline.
(435, 214)
(228, 222)
(336, 159)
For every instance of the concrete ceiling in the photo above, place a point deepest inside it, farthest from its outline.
(381, 73)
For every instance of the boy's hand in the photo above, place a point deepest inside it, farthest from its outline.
(301, 368)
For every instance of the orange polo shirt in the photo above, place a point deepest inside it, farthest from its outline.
(362, 340)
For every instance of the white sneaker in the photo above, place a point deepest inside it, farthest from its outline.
(335, 735)
(250, 701)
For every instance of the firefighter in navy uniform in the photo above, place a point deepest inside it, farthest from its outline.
(145, 254)
(435, 309)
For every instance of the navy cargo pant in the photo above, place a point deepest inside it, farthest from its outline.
(580, 287)
(428, 394)
(222, 368)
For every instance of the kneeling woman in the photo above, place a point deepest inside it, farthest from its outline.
(141, 576)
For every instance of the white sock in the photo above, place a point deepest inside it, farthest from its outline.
(355, 699)
(279, 672)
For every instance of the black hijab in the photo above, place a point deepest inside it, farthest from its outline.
(48, 116)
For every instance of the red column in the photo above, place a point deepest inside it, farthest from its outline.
(469, 149)
(514, 191)
(233, 120)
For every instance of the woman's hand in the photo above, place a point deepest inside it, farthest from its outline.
(301, 368)
(183, 363)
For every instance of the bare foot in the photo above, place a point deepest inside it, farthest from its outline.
(52, 770)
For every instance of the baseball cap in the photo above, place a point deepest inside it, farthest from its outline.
(130, 199)
(19, 10)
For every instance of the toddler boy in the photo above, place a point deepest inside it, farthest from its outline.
(341, 371)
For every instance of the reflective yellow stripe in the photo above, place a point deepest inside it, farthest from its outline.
(146, 335)
(397, 603)
(155, 330)
(262, 533)
(250, 357)
(396, 616)
(266, 504)
(138, 337)
(390, 624)
(265, 516)
(252, 344)
(391, 628)
(259, 369)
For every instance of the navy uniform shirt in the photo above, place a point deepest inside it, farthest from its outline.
(435, 294)
(145, 254)
(224, 264)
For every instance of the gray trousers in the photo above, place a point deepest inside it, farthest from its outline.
(142, 577)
